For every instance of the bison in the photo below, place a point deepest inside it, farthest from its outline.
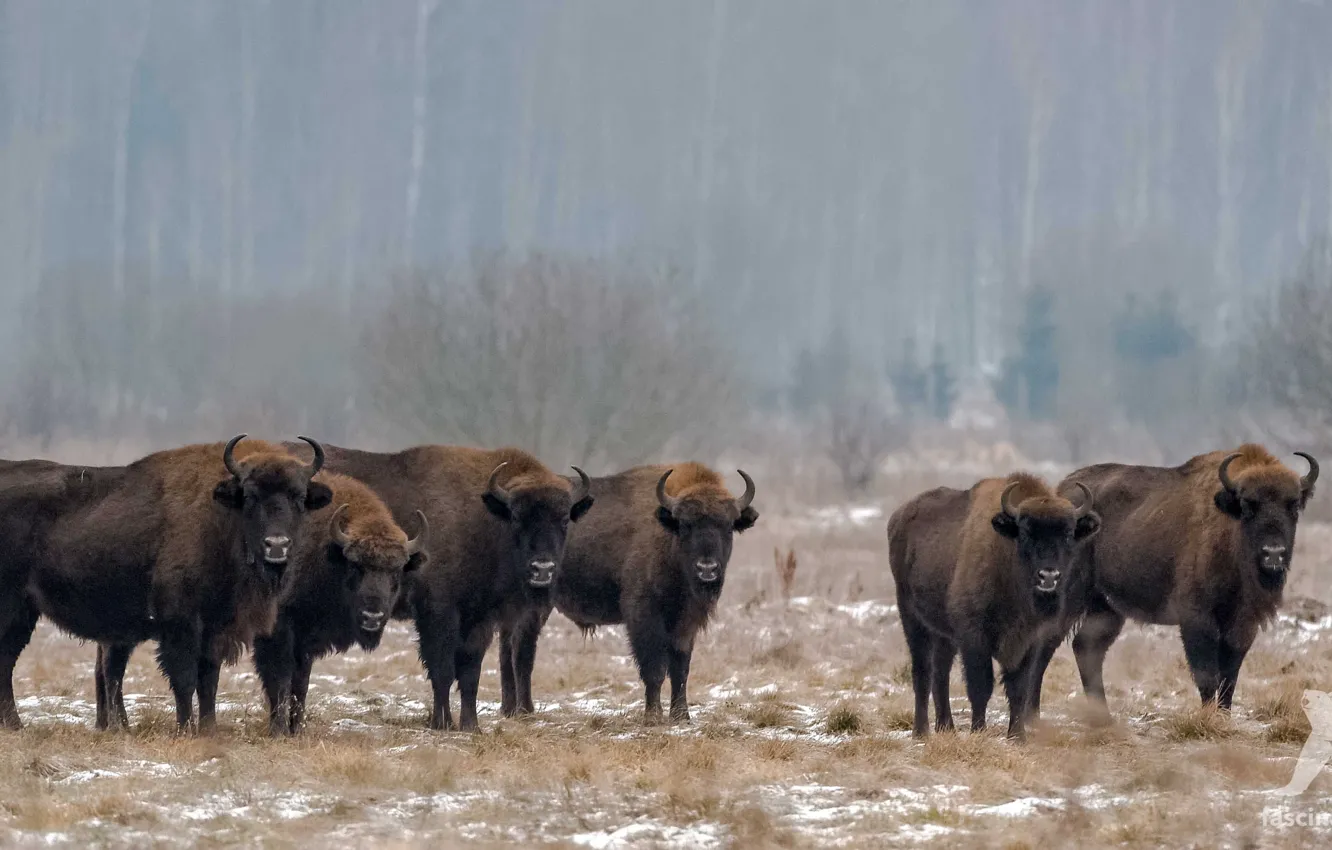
(985, 572)
(652, 557)
(186, 547)
(501, 519)
(344, 583)
(1205, 546)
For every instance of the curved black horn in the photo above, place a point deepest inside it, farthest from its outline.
(1307, 482)
(228, 460)
(1004, 504)
(335, 527)
(1224, 473)
(748, 496)
(422, 538)
(1085, 504)
(493, 487)
(318, 463)
(664, 500)
(583, 487)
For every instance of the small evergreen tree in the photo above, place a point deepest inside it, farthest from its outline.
(1029, 381)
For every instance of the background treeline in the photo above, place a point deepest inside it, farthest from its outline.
(601, 226)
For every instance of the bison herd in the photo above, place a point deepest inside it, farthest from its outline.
(209, 549)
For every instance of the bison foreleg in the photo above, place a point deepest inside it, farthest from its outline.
(1098, 632)
(524, 658)
(508, 684)
(677, 663)
(941, 665)
(469, 683)
(178, 650)
(210, 670)
(300, 688)
(1017, 688)
(1229, 660)
(1202, 649)
(979, 672)
(275, 662)
(648, 640)
(1044, 653)
(12, 643)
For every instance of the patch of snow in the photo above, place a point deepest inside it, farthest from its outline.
(1022, 807)
(844, 516)
(869, 611)
(704, 835)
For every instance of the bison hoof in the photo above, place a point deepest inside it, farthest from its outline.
(10, 721)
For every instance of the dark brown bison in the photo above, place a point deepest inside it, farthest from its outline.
(652, 556)
(347, 571)
(985, 572)
(1205, 546)
(499, 519)
(186, 547)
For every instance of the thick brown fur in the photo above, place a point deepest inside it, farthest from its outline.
(966, 581)
(149, 551)
(328, 591)
(1177, 549)
(477, 577)
(631, 561)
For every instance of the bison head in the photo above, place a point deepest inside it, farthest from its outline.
(373, 562)
(271, 491)
(538, 513)
(1047, 530)
(703, 528)
(1267, 500)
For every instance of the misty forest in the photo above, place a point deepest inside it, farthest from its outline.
(606, 231)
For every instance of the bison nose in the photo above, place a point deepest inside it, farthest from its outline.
(707, 569)
(275, 549)
(1274, 556)
(1047, 581)
(542, 574)
(373, 621)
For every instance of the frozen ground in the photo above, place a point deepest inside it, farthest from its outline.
(801, 711)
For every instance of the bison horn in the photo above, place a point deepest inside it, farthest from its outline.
(1307, 482)
(583, 487)
(748, 496)
(318, 463)
(335, 528)
(229, 461)
(664, 500)
(1085, 504)
(1004, 504)
(422, 538)
(1224, 473)
(493, 486)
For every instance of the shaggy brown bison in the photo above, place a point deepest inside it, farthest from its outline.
(500, 520)
(1205, 546)
(653, 557)
(347, 570)
(185, 546)
(986, 572)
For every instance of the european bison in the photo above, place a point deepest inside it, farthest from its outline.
(185, 546)
(986, 572)
(500, 519)
(653, 557)
(346, 575)
(1205, 546)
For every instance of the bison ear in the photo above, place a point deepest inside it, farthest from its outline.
(317, 496)
(229, 493)
(1086, 526)
(748, 517)
(580, 507)
(1005, 525)
(1228, 503)
(1305, 495)
(668, 520)
(496, 507)
(416, 562)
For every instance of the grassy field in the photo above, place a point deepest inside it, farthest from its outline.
(801, 711)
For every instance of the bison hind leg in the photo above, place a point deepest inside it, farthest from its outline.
(978, 669)
(12, 644)
(941, 665)
(920, 643)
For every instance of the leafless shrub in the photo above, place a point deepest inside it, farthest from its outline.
(586, 360)
(860, 434)
(785, 565)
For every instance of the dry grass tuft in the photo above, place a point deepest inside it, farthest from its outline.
(844, 719)
(1204, 723)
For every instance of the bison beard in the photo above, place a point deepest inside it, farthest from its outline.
(1205, 546)
(985, 572)
(653, 556)
(126, 554)
(500, 519)
(345, 579)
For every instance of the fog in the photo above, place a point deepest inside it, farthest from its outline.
(615, 230)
